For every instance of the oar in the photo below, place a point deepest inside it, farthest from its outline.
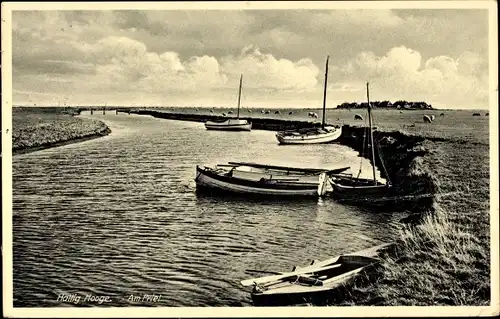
(282, 276)
(255, 271)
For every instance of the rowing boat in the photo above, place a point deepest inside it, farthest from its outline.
(261, 179)
(316, 280)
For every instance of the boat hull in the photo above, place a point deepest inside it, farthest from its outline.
(208, 180)
(309, 294)
(229, 125)
(301, 286)
(363, 191)
(312, 138)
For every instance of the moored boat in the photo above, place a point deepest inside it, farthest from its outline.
(229, 125)
(261, 179)
(309, 283)
(236, 124)
(313, 135)
(310, 136)
(355, 189)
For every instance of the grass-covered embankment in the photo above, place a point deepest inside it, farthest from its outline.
(36, 128)
(444, 259)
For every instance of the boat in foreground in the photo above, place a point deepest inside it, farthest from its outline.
(261, 179)
(318, 280)
(313, 135)
(236, 124)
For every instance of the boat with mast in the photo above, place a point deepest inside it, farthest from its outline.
(357, 189)
(236, 124)
(315, 135)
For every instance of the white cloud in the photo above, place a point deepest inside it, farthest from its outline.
(265, 71)
(400, 74)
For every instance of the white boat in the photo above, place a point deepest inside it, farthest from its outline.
(355, 189)
(261, 179)
(236, 124)
(314, 135)
(310, 136)
(310, 283)
(229, 125)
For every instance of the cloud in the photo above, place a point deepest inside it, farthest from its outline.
(197, 54)
(266, 72)
(401, 74)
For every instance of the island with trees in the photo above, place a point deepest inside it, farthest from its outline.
(401, 104)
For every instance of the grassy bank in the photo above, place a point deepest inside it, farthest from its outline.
(44, 127)
(445, 258)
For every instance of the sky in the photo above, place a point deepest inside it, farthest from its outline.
(195, 57)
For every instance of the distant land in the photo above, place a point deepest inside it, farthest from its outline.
(399, 105)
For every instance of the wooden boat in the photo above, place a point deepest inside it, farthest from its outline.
(318, 135)
(318, 280)
(315, 135)
(357, 189)
(236, 124)
(261, 179)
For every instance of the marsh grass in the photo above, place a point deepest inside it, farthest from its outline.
(445, 259)
(35, 128)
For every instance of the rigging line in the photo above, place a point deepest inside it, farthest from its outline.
(365, 130)
(382, 162)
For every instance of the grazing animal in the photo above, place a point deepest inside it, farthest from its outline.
(401, 112)
(358, 117)
(267, 112)
(338, 119)
(290, 113)
(277, 112)
(211, 111)
(223, 114)
(427, 119)
(476, 114)
(432, 117)
(487, 114)
(442, 114)
(262, 111)
(313, 114)
(249, 111)
(230, 112)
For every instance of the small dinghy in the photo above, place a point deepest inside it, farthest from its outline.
(316, 280)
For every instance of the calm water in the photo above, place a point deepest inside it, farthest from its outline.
(118, 217)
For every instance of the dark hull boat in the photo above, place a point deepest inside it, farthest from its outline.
(315, 282)
(362, 190)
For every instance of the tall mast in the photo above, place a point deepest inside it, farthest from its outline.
(371, 132)
(239, 97)
(324, 93)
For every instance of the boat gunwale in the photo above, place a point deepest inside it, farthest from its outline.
(257, 184)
